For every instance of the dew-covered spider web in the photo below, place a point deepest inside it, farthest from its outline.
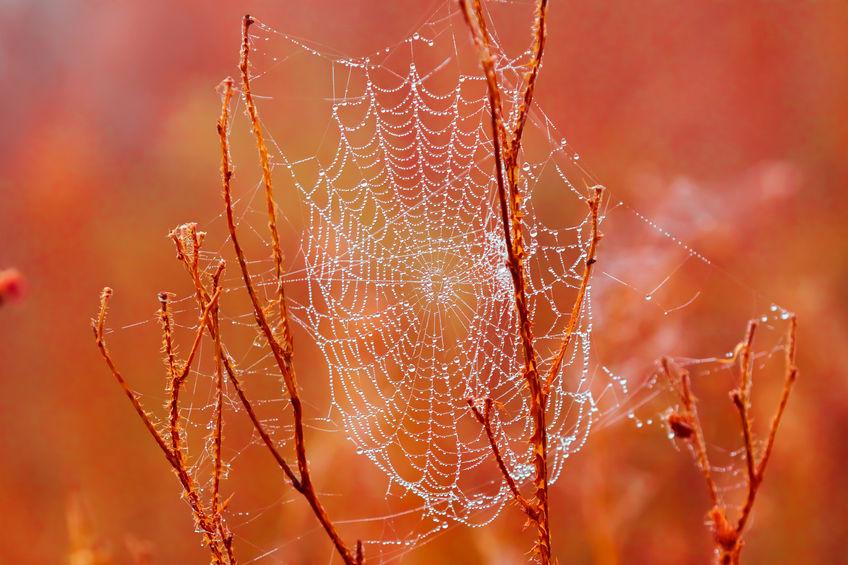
(396, 274)
(410, 300)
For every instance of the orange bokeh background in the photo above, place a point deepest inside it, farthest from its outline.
(109, 112)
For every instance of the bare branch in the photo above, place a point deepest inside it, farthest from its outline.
(264, 161)
(506, 154)
(206, 525)
(485, 418)
(539, 34)
(790, 375)
(690, 423)
(727, 537)
(594, 237)
(282, 352)
(742, 400)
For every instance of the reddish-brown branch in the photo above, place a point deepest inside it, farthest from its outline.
(167, 335)
(281, 352)
(485, 419)
(98, 326)
(226, 176)
(741, 398)
(179, 378)
(218, 418)
(267, 181)
(171, 363)
(185, 256)
(189, 254)
(480, 35)
(790, 375)
(594, 237)
(360, 553)
(506, 146)
(206, 525)
(686, 426)
(217, 507)
(539, 35)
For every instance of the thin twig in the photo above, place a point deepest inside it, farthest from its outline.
(594, 237)
(203, 521)
(485, 419)
(539, 35)
(217, 430)
(171, 363)
(790, 375)
(226, 176)
(506, 154)
(691, 422)
(728, 537)
(264, 161)
(98, 326)
(741, 398)
(282, 352)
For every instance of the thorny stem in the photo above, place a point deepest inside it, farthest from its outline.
(506, 154)
(264, 161)
(206, 524)
(727, 536)
(168, 345)
(282, 352)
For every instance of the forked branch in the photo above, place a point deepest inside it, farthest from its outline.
(595, 236)
(267, 181)
(485, 419)
(281, 348)
(506, 143)
(685, 425)
(215, 535)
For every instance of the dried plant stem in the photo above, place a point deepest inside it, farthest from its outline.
(790, 375)
(208, 524)
(485, 418)
(691, 422)
(741, 398)
(282, 352)
(185, 254)
(179, 377)
(686, 425)
(170, 357)
(594, 237)
(264, 162)
(506, 145)
(218, 425)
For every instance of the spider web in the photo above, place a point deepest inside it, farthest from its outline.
(410, 300)
(400, 281)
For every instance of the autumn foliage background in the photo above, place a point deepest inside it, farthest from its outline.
(736, 110)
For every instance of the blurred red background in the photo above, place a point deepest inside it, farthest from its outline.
(109, 110)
